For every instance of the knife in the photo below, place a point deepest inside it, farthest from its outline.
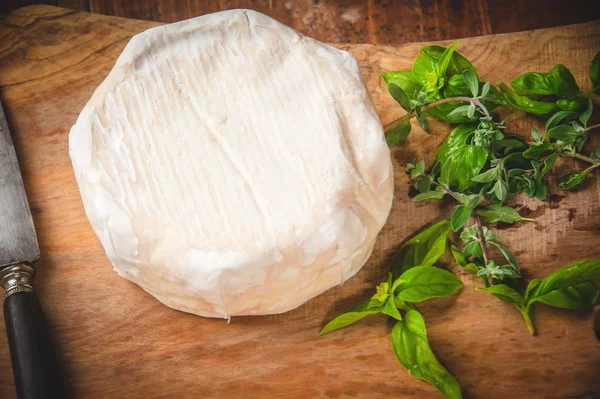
(34, 365)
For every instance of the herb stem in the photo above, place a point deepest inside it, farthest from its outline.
(527, 317)
(482, 242)
(594, 166)
(587, 129)
(433, 104)
(448, 191)
(580, 156)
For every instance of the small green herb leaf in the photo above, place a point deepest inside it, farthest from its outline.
(565, 133)
(460, 216)
(460, 259)
(410, 344)
(471, 80)
(561, 117)
(398, 134)
(571, 180)
(536, 151)
(586, 114)
(423, 249)
(473, 249)
(486, 176)
(495, 213)
(425, 282)
(353, 314)
(430, 195)
(500, 190)
(505, 294)
(510, 257)
(390, 309)
(400, 96)
(404, 79)
(549, 162)
(531, 287)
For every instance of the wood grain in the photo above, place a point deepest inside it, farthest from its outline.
(118, 341)
(360, 21)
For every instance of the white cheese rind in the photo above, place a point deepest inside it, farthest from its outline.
(231, 166)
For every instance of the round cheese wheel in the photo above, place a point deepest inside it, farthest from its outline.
(232, 166)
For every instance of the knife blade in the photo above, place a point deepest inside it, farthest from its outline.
(18, 241)
(34, 363)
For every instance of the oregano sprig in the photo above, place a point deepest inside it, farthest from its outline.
(479, 167)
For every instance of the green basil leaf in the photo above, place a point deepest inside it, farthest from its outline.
(571, 180)
(425, 282)
(524, 103)
(460, 216)
(466, 163)
(487, 176)
(400, 96)
(559, 82)
(595, 73)
(390, 308)
(565, 133)
(404, 79)
(572, 286)
(430, 195)
(495, 213)
(585, 116)
(456, 87)
(423, 249)
(505, 294)
(410, 344)
(460, 259)
(510, 257)
(531, 287)
(459, 137)
(353, 314)
(536, 151)
(444, 61)
(457, 65)
(549, 162)
(422, 68)
(471, 80)
(398, 134)
(444, 173)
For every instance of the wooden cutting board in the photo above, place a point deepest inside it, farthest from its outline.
(117, 341)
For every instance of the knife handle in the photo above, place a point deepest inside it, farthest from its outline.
(34, 363)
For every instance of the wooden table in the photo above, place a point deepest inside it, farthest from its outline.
(360, 21)
(116, 341)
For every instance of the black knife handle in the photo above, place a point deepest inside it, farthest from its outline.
(35, 368)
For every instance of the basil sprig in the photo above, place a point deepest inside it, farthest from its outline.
(418, 281)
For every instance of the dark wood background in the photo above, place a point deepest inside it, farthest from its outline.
(360, 21)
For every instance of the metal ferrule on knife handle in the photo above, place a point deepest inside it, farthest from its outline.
(16, 278)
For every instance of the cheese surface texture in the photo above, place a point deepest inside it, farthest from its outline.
(232, 166)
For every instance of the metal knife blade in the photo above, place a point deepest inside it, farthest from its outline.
(18, 241)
